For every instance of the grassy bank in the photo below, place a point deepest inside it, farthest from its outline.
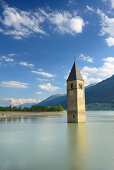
(100, 106)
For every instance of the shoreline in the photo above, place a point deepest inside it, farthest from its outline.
(11, 114)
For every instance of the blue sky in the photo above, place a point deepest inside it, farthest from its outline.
(39, 40)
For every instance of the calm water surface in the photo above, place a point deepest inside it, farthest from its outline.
(49, 143)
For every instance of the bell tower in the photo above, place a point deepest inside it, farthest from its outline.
(75, 96)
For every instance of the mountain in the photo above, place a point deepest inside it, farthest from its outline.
(102, 92)
(90, 85)
(99, 93)
(26, 105)
(58, 99)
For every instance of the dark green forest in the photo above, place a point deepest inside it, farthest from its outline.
(100, 106)
(34, 108)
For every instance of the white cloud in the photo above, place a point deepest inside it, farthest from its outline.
(13, 84)
(109, 59)
(38, 93)
(66, 76)
(110, 41)
(41, 80)
(4, 58)
(43, 73)
(90, 8)
(86, 58)
(109, 2)
(112, 3)
(1, 30)
(107, 27)
(26, 64)
(12, 54)
(40, 69)
(67, 23)
(4, 103)
(20, 23)
(48, 87)
(88, 74)
(16, 102)
(93, 75)
(71, 2)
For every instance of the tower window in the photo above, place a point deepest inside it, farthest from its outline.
(73, 116)
(72, 86)
(80, 86)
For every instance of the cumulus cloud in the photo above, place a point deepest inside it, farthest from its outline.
(88, 74)
(93, 74)
(38, 93)
(109, 2)
(48, 87)
(20, 24)
(107, 27)
(112, 3)
(40, 69)
(16, 102)
(26, 64)
(86, 58)
(13, 84)
(43, 73)
(89, 8)
(110, 41)
(41, 80)
(12, 54)
(71, 2)
(4, 58)
(67, 23)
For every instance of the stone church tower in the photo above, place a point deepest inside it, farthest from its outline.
(75, 96)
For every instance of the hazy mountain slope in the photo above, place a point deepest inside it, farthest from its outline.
(58, 99)
(26, 105)
(102, 92)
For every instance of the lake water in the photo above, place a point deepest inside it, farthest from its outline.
(49, 143)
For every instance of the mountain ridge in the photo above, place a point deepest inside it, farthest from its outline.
(102, 92)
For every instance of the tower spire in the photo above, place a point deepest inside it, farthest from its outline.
(75, 73)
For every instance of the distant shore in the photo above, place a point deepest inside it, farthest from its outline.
(11, 114)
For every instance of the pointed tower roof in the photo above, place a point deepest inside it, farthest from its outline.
(75, 73)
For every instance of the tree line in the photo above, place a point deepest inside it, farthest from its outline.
(34, 108)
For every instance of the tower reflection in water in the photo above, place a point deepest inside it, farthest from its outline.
(77, 147)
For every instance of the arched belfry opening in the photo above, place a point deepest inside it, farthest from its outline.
(75, 96)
